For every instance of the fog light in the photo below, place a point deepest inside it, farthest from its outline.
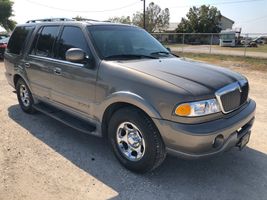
(218, 141)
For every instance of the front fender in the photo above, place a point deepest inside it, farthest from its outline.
(130, 98)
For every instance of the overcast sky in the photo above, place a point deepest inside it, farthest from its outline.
(251, 15)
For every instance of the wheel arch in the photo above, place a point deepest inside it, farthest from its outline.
(120, 100)
(16, 78)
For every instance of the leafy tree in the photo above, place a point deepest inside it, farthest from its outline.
(156, 18)
(5, 14)
(204, 19)
(122, 19)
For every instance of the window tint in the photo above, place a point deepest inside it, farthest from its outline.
(44, 41)
(72, 37)
(119, 40)
(18, 39)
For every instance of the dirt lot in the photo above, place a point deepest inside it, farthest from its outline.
(42, 159)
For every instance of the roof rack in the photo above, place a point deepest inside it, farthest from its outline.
(49, 20)
(85, 19)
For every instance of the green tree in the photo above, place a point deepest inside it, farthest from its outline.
(156, 18)
(5, 14)
(122, 19)
(204, 19)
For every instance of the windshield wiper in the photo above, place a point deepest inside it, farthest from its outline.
(160, 52)
(165, 53)
(129, 56)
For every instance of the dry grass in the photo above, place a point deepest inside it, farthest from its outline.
(260, 48)
(259, 64)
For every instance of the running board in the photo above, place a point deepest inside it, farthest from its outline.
(66, 118)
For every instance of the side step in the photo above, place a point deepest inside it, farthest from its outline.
(66, 118)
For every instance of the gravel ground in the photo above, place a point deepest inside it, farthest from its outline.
(41, 158)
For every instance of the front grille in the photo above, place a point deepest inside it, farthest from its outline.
(233, 96)
(244, 93)
(231, 100)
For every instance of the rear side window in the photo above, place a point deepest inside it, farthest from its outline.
(44, 41)
(72, 37)
(18, 39)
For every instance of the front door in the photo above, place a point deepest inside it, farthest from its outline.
(73, 83)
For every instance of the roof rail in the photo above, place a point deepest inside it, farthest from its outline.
(49, 20)
(84, 19)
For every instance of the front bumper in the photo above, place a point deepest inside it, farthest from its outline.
(197, 140)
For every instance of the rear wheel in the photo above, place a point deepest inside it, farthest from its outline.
(135, 140)
(24, 96)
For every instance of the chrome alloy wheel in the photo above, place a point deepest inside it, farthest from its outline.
(24, 95)
(130, 141)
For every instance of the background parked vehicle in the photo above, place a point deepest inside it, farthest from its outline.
(3, 46)
(227, 38)
(2, 36)
(260, 40)
(254, 42)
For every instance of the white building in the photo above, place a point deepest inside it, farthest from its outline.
(226, 23)
(172, 27)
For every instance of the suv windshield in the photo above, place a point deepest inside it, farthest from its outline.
(125, 42)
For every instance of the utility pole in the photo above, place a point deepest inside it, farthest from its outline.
(144, 14)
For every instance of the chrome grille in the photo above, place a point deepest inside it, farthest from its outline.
(232, 96)
(244, 94)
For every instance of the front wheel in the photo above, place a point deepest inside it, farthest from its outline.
(24, 96)
(135, 140)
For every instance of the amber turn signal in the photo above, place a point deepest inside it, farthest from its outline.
(183, 110)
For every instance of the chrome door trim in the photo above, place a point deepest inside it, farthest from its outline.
(57, 60)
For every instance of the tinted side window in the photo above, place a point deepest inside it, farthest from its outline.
(72, 37)
(35, 41)
(44, 41)
(18, 39)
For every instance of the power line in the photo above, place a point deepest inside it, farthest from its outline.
(255, 19)
(132, 4)
(220, 3)
(81, 11)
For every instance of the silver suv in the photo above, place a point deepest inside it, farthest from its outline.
(118, 81)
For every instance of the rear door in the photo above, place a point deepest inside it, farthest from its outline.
(74, 83)
(39, 64)
(15, 51)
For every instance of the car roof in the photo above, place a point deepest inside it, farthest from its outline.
(74, 22)
(4, 39)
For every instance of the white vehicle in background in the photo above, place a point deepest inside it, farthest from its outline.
(227, 38)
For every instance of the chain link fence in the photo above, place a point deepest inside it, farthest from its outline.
(249, 44)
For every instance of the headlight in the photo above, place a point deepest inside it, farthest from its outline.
(199, 108)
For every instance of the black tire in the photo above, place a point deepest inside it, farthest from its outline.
(28, 108)
(154, 153)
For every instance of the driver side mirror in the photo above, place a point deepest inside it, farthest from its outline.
(75, 55)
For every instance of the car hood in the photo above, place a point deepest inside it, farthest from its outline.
(195, 77)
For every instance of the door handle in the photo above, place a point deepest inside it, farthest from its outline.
(57, 71)
(27, 65)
